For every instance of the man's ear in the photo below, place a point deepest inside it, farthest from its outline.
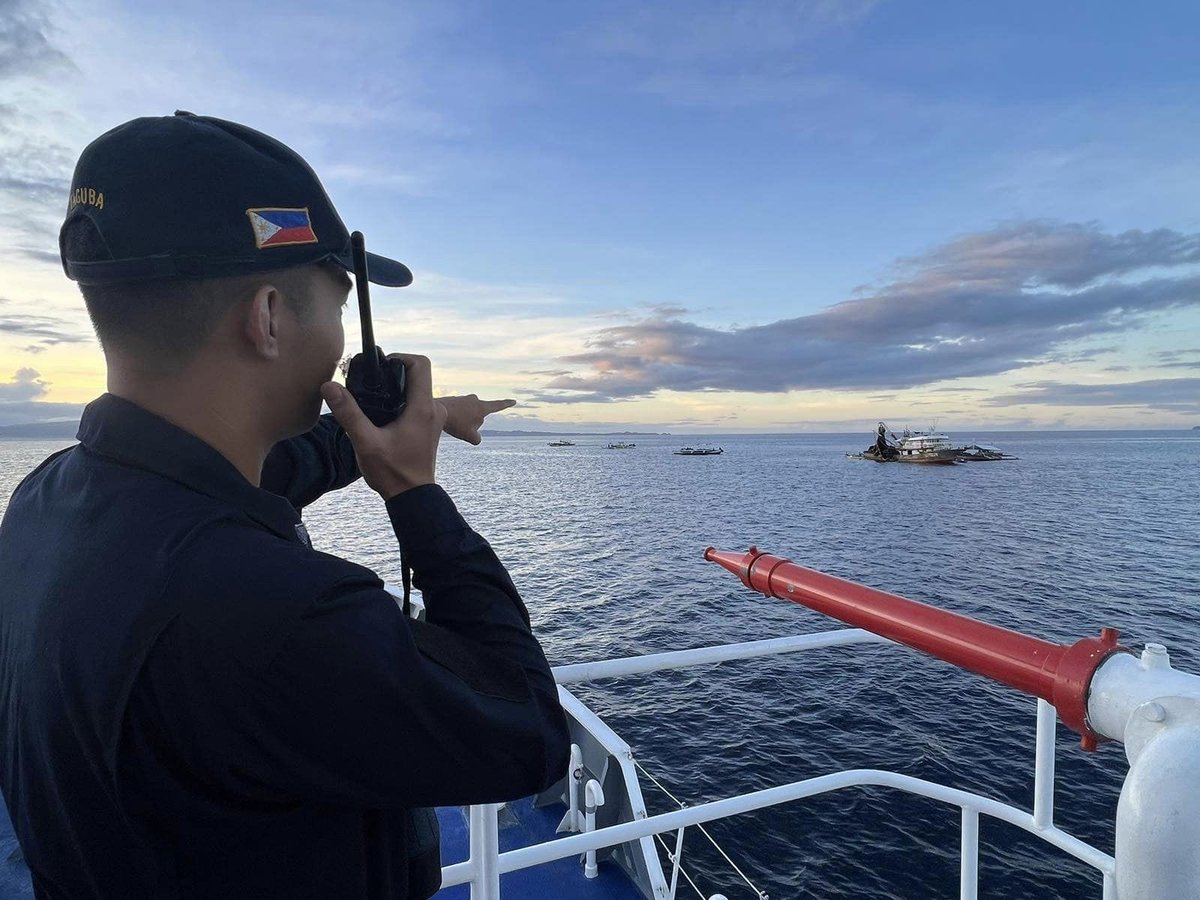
(261, 324)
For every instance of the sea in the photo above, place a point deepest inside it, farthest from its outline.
(1083, 530)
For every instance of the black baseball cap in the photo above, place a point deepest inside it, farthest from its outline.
(189, 196)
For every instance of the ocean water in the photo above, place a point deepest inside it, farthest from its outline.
(1084, 530)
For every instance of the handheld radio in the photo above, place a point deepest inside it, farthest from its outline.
(375, 381)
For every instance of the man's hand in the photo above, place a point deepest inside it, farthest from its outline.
(465, 415)
(402, 454)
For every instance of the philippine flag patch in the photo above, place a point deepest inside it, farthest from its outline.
(281, 227)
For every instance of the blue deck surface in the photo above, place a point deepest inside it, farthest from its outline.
(520, 826)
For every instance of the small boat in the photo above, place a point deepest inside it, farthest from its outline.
(883, 450)
(699, 451)
(870, 454)
(980, 453)
(621, 445)
(561, 444)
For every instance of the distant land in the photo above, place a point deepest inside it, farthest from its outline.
(489, 431)
(64, 431)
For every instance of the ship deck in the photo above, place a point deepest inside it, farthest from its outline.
(522, 835)
(522, 824)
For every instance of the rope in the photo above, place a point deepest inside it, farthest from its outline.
(762, 895)
(662, 787)
(682, 870)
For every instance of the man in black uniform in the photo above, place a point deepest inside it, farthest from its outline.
(195, 703)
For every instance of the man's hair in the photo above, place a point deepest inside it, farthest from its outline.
(163, 322)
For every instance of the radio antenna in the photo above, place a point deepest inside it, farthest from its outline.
(358, 247)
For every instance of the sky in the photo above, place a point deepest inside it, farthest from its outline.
(690, 216)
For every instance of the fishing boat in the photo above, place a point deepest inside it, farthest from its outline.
(911, 447)
(699, 451)
(621, 445)
(980, 453)
(561, 444)
(926, 447)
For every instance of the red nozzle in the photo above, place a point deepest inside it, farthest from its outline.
(1058, 673)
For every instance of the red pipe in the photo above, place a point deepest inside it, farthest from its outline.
(1058, 673)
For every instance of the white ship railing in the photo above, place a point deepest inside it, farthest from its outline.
(482, 870)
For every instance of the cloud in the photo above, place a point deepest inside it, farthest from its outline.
(35, 116)
(69, 71)
(24, 45)
(535, 397)
(47, 330)
(1174, 355)
(1180, 395)
(41, 255)
(986, 303)
(26, 384)
(377, 178)
(1048, 253)
(527, 422)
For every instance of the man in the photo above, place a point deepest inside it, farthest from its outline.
(194, 703)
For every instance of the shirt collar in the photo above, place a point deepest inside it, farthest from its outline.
(121, 430)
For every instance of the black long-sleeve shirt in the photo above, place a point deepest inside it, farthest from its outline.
(196, 704)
